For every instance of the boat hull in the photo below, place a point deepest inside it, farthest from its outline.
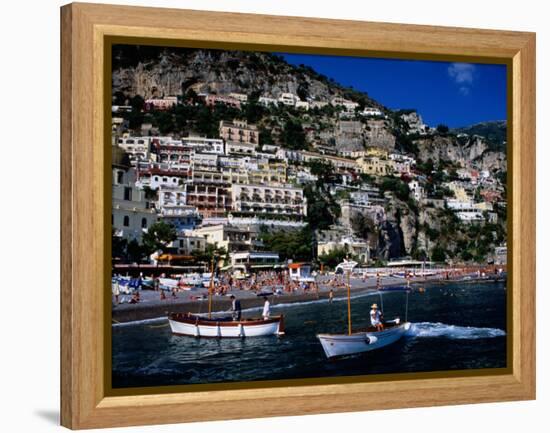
(336, 345)
(196, 327)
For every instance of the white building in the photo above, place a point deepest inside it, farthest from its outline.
(402, 164)
(255, 223)
(468, 211)
(318, 104)
(289, 99)
(131, 214)
(371, 112)
(186, 244)
(229, 237)
(138, 148)
(170, 197)
(268, 199)
(417, 190)
(204, 145)
(346, 103)
(255, 259)
(156, 181)
(357, 247)
(204, 161)
(242, 148)
(300, 272)
(267, 101)
(304, 105)
(305, 156)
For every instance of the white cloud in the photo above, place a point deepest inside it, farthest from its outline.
(462, 74)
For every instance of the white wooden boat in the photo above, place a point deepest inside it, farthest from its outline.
(200, 326)
(209, 325)
(351, 343)
(336, 345)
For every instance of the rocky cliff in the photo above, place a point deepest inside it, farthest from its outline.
(175, 71)
(469, 152)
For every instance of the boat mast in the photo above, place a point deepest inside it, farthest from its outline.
(211, 287)
(407, 301)
(349, 301)
(380, 294)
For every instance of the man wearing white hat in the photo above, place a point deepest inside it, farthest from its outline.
(376, 318)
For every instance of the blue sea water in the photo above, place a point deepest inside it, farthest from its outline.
(454, 327)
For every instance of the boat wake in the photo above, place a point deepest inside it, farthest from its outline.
(441, 330)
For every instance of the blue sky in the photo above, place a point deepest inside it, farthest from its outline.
(454, 94)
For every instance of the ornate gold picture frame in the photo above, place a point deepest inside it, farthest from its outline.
(88, 32)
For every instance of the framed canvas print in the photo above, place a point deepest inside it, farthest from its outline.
(269, 216)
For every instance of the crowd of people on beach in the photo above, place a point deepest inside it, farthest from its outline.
(266, 283)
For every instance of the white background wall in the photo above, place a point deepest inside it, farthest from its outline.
(29, 385)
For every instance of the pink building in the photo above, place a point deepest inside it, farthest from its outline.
(161, 103)
(212, 100)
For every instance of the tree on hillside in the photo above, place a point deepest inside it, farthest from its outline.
(165, 122)
(293, 135)
(325, 172)
(363, 225)
(439, 254)
(211, 251)
(118, 246)
(442, 129)
(137, 102)
(303, 90)
(322, 210)
(395, 185)
(290, 245)
(333, 258)
(135, 251)
(158, 236)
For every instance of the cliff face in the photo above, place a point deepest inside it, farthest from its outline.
(378, 133)
(212, 71)
(471, 152)
(440, 148)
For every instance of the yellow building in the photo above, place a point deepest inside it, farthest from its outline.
(375, 166)
(268, 173)
(376, 151)
(458, 190)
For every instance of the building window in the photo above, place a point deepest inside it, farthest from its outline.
(127, 193)
(144, 223)
(119, 177)
(126, 221)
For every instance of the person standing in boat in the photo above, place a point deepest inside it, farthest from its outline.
(376, 318)
(116, 291)
(267, 309)
(235, 308)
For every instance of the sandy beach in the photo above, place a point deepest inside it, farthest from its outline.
(195, 301)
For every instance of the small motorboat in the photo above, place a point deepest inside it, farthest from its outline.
(336, 345)
(224, 327)
(354, 342)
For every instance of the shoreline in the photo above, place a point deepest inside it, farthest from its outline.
(153, 308)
